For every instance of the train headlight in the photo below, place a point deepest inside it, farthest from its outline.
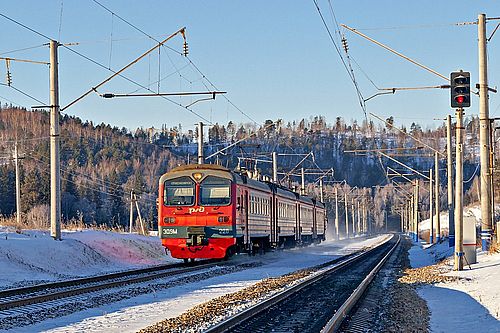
(223, 219)
(169, 219)
(197, 176)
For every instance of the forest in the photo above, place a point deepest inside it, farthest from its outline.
(101, 164)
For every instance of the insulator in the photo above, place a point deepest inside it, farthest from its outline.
(186, 50)
(9, 79)
(344, 44)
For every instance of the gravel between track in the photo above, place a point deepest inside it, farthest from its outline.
(207, 314)
(85, 301)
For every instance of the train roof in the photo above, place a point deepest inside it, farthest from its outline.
(286, 193)
(199, 166)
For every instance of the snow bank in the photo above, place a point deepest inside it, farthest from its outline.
(32, 256)
(465, 305)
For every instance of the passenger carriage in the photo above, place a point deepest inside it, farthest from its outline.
(208, 211)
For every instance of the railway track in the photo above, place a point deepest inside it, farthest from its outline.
(319, 303)
(12, 298)
(28, 305)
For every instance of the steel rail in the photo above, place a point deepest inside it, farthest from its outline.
(133, 278)
(266, 304)
(334, 323)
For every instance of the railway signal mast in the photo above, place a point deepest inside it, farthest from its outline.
(460, 98)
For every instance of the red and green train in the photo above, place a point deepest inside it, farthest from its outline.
(208, 211)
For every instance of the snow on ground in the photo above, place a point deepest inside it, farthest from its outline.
(32, 256)
(136, 313)
(474, 210)
(471, 304)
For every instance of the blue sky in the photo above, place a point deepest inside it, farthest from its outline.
(274, 58)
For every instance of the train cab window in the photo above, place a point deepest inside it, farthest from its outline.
(179, 192)
(215, 191)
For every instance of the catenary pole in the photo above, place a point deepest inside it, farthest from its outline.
(359, 216)
(484, 136)
(431, 208)
(436, 197)
(200, 143)
(275, 167)
(353, 217)
(18, 187)
(415, 209)
(459, 252)
(449, 172)
(55, 166)
(346, 216)
(131, 216)
(337, 213)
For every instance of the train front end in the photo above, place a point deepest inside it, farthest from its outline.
(196, 211)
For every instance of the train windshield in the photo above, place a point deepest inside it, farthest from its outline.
(215, 191)
(179, 192)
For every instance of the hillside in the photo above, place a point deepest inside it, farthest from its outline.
(101, 164)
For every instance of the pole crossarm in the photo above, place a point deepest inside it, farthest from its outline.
(243, 139)
(410, 136)
(25, 60)
(396, 52)
(404, 165)
(381, 149)
(213, 93)
(115, 74)
(404, 176)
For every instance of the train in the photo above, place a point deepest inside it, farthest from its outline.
(206, 211)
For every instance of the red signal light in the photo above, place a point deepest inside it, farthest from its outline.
(460, 99)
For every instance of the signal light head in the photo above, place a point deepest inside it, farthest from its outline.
(460, 89)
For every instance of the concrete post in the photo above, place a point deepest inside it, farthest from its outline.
(55, 167)
(459, 213)
(431, 210)
(200, 143)
(337, 213)
(131, 216)
(436, 196)
(415, 209)
(449, 172)
(275, 167)
(346, 216)
(18, 187)
(484, 136)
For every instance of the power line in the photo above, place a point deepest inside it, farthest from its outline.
(203, 76)
(96, 63)
(25, 27)
(25, 49)
(351, 75)
(22, 92)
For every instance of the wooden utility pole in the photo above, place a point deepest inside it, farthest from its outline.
(55, 167)
(449, 172)
(484, 136)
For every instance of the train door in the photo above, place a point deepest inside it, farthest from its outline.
(298, 232)
(315, 223)
(274, 220)
(244, 216)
